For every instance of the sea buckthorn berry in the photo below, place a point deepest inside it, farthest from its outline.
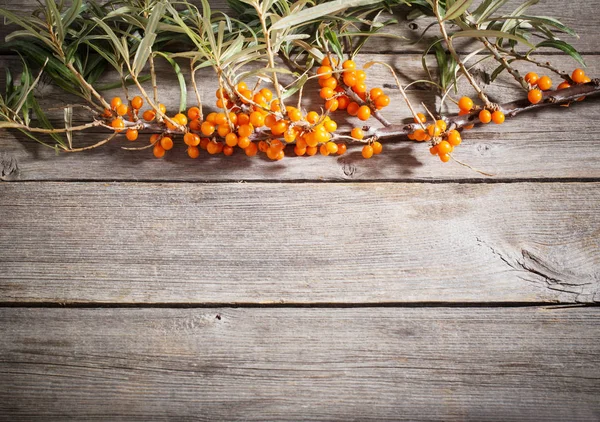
(587, 80)
(367, 151)
(279, 128)
(220, 93)
(221, 103)
(375, 93)
(213, 148)
(242, 119)
(107, 113)
(131, 134)
(227, 150)
(377, 147)
(181, 119)
(188, 139)
(260, 99)
(195, 124)
(251, 149)
(441, 124)
(343, 102)
(263, 146)
(445, 158)
(532, 78)
(204, 142)
(270, 120)
(245, 131)
(361, 75)
(149, 115)
(382, 101)
(465, 103)
(535, 96)
(299, 151)
(118, 124)
(207, 128)
(115, 103)
(329, 83)
(544, 83)
(245, 95)
(350, 79)
(578, 76)
(463, 112)
(330, 125)
(266, 92)
(469, 127)
(411, 136)
(122, 109)
(323, 150)
(331, 105)
(311, 150)
(353, 108)
(244, 142)
(312, 117)
(321, 136)
(326, 93)
(498, 117)
(364, 112)
(166, 143)
(212, 118)
(341, 148)
(301, 142)
(332, 147)
(433, 150)
(421, 118)
(349, 64)
(223, 130)
(485, 116)
(154, 138)
(444, 147)
(419, 135)
(360, 88)
(257, 119)
(454, 138)
(289, 136)
(162, 108)
(193, 113)
(158, 151)
(562, 85)
(137, 102)
(193, 152)
(433, 130)
(220, 119)
(241, 86)
(231, 139)
(294, 114)
(275, 105)
(324, 72)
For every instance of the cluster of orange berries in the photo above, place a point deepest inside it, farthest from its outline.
(373, 147)
(544, 83)
(443, 140)
(466, 106)
(117, 112)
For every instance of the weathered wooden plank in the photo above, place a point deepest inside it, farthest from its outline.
(558, 143)
(579, 15)
(478, 364)
(299, 243)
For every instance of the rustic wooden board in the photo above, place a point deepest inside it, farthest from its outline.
(452, 364)
(299, 243)
(581, 16)
(548, 144)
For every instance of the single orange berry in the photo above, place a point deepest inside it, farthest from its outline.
(327, 62)
(245, 131)
(532, 78)
(578, 76)
(263, 146)
(360, 88)
(115, 103)
(433, 130)
(498, 117)
(444, 147)
(375, 93)
(563, 85)
(162, 108)
(377, 147)
(251, 150)
(188, 139)
(220, 119)
(257, 119)
(382, 101)
(454, 138)
(367, 151)
(544, 83)
(213, 147)
(131, 134)
(330, 125)
(195, 124)
(310, 151)
(181, 119)
(266, 92)
(299, 151)
(445, 158)
(227, 150)
(242, 119)
(289, 136)
(244, 142)
(535, 96)
(204, 142)
(433, 150)
(223, 130)
(343, 102)
(241, 86)
(193, 152)
(324, 72)
(323, 150)
(207, 128)
(349, 64)
(332, 147)
(485, 116)
(329, 83)
(341, 148)
(294, 114)
(350, 79)
(441, 124)
(419, 135)
(122, 109)
(137, 102)
(465, 103)
(331, 105)
(326, 93)
(312, 117)
(118, 124)
(421, 118)
(231, 139)
(353, 108)
(166, 143)
(154, 138)
(364, 112)
(158, 151)
(193, 113)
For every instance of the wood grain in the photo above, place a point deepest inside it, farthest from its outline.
(451, 364)
(299, 243)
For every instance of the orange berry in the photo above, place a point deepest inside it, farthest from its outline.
(419, 135)
(221, 94)
(279, 128)
(485, 116)
(367, 151)
(207, 128)
(263, 146)
(299, 151)
(469, 127)
(294, 114)
(243, 142)
(562, 85)
(544, 83)
(377, 147)
(260, 99)
(330, 125)
(118, 124)
(162, 108)
(204, 142)
(213, 147)
(332, 147)
(245, 131)
(578, 76)
(270, 120)
(331, 105)
(445, 158)
(350, 79)
(361, 75)
(364, 112)
(195, 124)
(231, 139)
(349, 64)
(326, 93)
(465, 103)
(107, 113)
(433, 150)
(323, 150)
(122, 109)
(154, 138)
(233, 118)
(275, 105)
(360, 88)
(251, 149)
(441, 124)
(382, 101)
(532, 78)
(353, 108)
(312, 117)
(137, 102)
(220, 119)
(115, 103)
(421, 118)
(212, 118)
(227, 150)
(535, 96)
(181, 119)
(343, 102)
(454, 138)
(463, 112)
(341, 148)
(166, 143)
(223, 130)
(498, 117)
(242, 119)
(131, 134)
(311, 150)
(324, 72)
(301, 143)
(193, 113)
(267, 94)
(189, 139)
(289, 136)
(158, 151)
(329, 83)
(257, 119)
(193, 152)
(321, 136)
(241, 86)
(433, 130)
(444, 147)
(327, 62)
(375, 93)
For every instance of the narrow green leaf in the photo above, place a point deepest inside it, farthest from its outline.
(113, 38)
(72, 13)
(480, 33)
(180, 79)
(53, 14)
(45, 123)
(564, 47)
(457, 9)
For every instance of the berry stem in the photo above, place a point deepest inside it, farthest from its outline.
(502, 60)
(193, 78)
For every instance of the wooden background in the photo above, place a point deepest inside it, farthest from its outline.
(396, 288)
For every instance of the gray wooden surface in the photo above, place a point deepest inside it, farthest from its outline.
(396, 288)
